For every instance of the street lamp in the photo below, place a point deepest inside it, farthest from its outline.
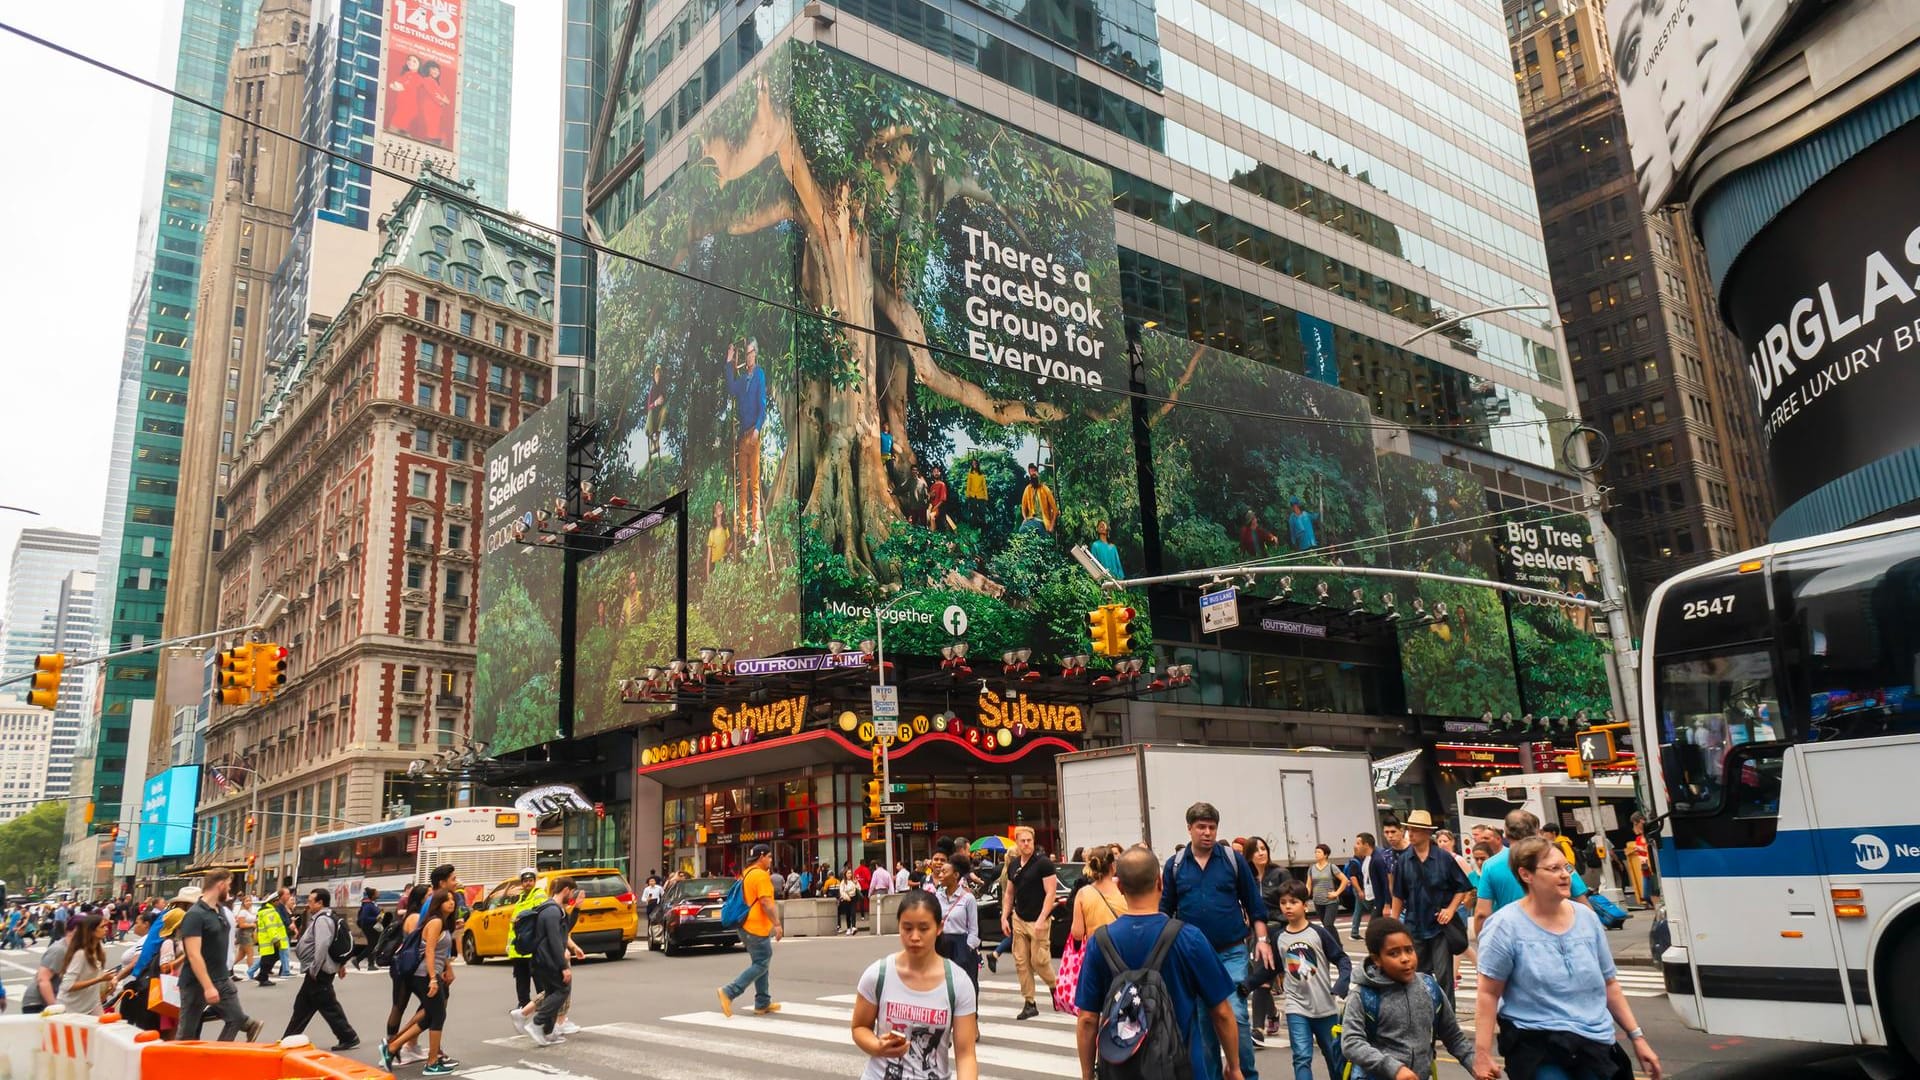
(886, 766)
(1457, 319)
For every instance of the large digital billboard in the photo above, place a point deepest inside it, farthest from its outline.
(167, 805)
(421, 85)
(516, 696)
(1561, 652)
(944, 466)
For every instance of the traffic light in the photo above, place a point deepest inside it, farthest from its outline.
(1100, 628)
(1120, 637)
(873, 834)
(236, 675)
(269, 669)
(249, 822)
(46, 680)
(874, 798)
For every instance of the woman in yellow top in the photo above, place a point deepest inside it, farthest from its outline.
(1100, 902)
(976, 485)
(269, 937)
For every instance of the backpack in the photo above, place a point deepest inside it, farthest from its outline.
(412, 950)
(1370, 1007)
(389, 942)
(1139, 1035)
(526, 929)
(733, 910)
(340, 945)
(1612, 916)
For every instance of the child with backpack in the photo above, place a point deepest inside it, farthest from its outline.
(1397, 1012)
(1309, 954)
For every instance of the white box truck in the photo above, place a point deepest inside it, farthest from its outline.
(1294, 799)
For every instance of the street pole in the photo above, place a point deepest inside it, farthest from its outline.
(1608, 885)
(886, 745)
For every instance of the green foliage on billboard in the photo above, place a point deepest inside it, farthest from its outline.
(1562, 655)
(516, 694)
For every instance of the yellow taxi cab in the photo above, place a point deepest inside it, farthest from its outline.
(608, 915)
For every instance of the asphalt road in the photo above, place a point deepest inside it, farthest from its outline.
(656, 1017)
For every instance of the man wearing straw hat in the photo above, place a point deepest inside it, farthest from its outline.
(1428, 889)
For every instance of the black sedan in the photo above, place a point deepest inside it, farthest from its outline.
(689, 914)
(989, 899)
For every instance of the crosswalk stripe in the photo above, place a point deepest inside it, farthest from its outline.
(997, 1012)
(1057, 1038)
(989, 1053)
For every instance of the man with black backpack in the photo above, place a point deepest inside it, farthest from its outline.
(1145, 983)
(324, 948)
(542, 932)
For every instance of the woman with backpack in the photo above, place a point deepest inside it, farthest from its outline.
(404, 920)
(915, 1013)
(427, 959)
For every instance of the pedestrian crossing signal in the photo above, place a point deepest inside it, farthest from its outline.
(45, 692)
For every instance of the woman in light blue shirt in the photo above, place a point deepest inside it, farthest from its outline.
(1546, 970)
(959, 917)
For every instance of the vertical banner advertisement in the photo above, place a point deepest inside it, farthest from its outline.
(166, 814)
(1561, 653)
(421, 85)
(516, 697)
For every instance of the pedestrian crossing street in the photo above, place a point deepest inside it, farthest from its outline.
(810, 1039)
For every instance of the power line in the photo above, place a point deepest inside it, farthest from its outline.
(516, 220)
(1417, 533)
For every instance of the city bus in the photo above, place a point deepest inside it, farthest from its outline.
(486, 843)
(1780, 709)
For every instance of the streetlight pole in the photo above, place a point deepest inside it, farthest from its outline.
(1457, 319)
(253, 811)
(886, 763)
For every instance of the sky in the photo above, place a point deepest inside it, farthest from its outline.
(67, 281)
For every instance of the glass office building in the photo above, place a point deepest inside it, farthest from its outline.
(131, 602)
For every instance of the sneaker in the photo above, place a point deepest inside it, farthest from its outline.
(766, 1010)
(350, 1044)
(521, 1022)
(449, 1060)
(1259, 1034)
(443, 1067)
(540, 1038)
(567, 1028)
(386, 1058)
(993, 962)
(252, 1029)
(556, 1038)
(1028, 1013)
(726, 1003)
(1273, 1029)
(410, 1055)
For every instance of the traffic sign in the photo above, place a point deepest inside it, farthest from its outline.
(1596, 747)
(898, 789)
(886, 701)
(1219, 610)
(891, 808)
(886, 729)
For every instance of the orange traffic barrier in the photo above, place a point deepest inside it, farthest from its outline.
(248, 1061)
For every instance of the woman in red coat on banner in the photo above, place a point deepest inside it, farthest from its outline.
(434, 106)
(403, 97)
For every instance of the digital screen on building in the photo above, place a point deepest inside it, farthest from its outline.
(1561, 648)
(167, 813)
(516, 696)
(421, 86)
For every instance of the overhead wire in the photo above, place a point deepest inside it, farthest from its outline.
(1418, 533)
(518, 221)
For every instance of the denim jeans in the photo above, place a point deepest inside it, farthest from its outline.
(1360, 906)
(1302, 1033)
(759, 959)
(1235, 959)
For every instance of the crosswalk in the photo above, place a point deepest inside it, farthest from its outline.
(808, 1039)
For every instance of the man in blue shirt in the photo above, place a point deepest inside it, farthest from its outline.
(1196, 980)
(1300, 527)
(1428, 889)
(1210, 888)
(747, 385)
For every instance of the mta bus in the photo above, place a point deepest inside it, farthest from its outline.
(486, 844)
(1780, 712)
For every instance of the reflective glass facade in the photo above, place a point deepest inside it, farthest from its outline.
(132, 603)
(1380, 143)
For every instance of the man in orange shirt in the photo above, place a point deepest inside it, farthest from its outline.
(759, 932)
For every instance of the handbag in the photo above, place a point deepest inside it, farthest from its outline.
(1456, 932)
(1067, 978)
(163, 996)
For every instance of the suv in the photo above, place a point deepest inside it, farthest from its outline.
(608, 916)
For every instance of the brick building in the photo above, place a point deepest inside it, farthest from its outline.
(356, 495)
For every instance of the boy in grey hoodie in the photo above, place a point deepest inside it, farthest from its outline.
(1396, 1012)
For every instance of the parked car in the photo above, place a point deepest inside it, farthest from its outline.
(989, 898)
(608, 918)
(689, 914)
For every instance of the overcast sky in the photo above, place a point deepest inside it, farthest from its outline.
(80, 139)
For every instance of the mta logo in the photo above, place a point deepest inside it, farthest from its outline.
(1870, 852)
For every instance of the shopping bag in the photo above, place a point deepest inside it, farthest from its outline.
(1067, 978)
(163, 996)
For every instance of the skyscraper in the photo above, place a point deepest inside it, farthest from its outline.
(50, 610)
(1653, 367)
(179, 197)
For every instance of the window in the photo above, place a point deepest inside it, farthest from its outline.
(463, 366)
(462, 406)
(529, 387)
(1712, 709)
(429, 354)
(452, 216)
(234, 348)
(1659, 409)
(1596, 300)
(456, 536)
(500, 334)
(457, 492)
(431, 310)
(457, 449)
(229, 411)
(466, 323)
(533, 345)
(1634, 288)
(410, 679)
(423, 440)
(417, 532)
(434, 265)
(450, 627)
(1610, 381)
(423, 395)
(496, 415)
(422, 486)
(226, 443)
(416, 574)
(410, 624)
(1649, 369)
(233, 380)
(404, 728)
(455, 583)
(1580, 390)
(1666, 453)
(497, 377)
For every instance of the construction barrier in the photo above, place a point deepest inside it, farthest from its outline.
(56, 1045)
